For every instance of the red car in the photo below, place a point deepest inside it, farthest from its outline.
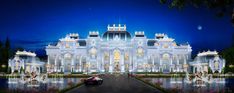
(93, 81)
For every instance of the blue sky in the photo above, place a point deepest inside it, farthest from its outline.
(32, 24)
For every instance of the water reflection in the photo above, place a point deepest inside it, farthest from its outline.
(54, 84)
(179, 85)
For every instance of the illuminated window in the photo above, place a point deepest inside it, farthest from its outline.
(174, 44)
(126, 57)
(165, 46)
(106, 56)
(165, 56)
(140, 51)
(93, 51)
(116, 55)
(216, 65)
(67, 45)
(67, 56)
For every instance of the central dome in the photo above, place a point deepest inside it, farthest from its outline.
(116, 31)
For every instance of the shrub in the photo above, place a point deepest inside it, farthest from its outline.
(76, 72)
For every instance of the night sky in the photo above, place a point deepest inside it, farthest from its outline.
(36, 23)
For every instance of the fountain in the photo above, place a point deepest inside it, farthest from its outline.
(34, 79)
(27, 67)
(200, 79)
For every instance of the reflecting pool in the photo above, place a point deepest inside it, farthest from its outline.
(53, 85)
(179, 85)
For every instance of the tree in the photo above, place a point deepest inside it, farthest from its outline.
(228, 55)
(21, 70)
(0, 44)
(209, 70)
(223, 70)
(222, 7)
(5, 55)
(9, 70)
(7, 44)
(19, 49)
(0, 51)
(0, 55)
(233, 17)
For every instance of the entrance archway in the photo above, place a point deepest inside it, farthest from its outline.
(166, 62)
(67, 62)
(116, 64)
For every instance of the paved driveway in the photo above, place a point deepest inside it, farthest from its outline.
(117, 83)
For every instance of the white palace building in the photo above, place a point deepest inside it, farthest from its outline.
(118, 51)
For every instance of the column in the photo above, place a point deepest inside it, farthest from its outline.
(193, 69)
(80, 66)
(153, 64)
(55, 66)
(171, 64)
(185, 69)
(130, 67)
(125, 37)
(185, 59)
(101, 66)
(72, 64)
(156, 67)
(160, 61)
(39, 69)
(160, 64)
(122, 62)
(89, 66)
(62, 64)
(177, 64)
(48, 59)
(48, 63)
(107, 37)
(110, 66)
(97, 67)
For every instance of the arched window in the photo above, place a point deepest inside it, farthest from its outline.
(165, 56)
(116, 55)
(67, 56)
(216, 64)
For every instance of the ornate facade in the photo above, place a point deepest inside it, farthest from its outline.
(118, 51)
(206, 60)
(26, 62)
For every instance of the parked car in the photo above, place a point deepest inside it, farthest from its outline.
(93, 81)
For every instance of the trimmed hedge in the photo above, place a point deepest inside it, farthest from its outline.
(77, 72)
(94, 73)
